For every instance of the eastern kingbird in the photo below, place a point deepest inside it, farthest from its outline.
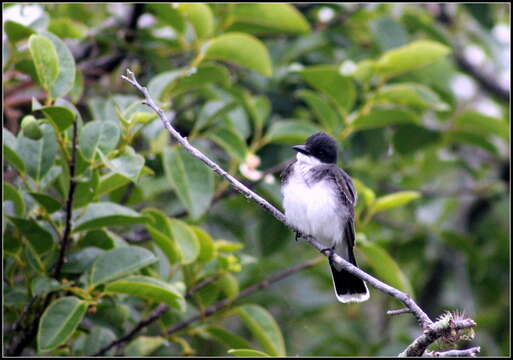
(319, 200)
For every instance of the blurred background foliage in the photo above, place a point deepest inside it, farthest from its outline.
(417, 96)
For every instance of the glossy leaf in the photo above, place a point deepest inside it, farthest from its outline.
(228, 338)
(290, 132)
(16, 31)
(98, 338)
(109, 183)
(43, 285)
(409, 138)
(119, 262)
(481, 124)
(191, 179)
(202, 76)
(247, 353)
(411, 94)
(149, 288)
(410, 57)
(207, 247)
(100, 214)
(67, 29)
(12, 194)
(264, 328)
(46, 59)
(103, 135)
(394, 200)
(38, 155)
(86, 190)
(49, 203)
(240, 49)
(80, 261)
(324, 112)
(59, 321)
(200, 16)
(128, 164)
(168, 15)
(328, 80)
(230, 141)
(159, 227)
(268, 18)
(62, 117)
(383, 117)
(144, 345)
(102, 239)
(186, 240)
(40, 239)
(384, 266)
(66, 76)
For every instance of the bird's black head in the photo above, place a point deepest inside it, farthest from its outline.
(321, 146)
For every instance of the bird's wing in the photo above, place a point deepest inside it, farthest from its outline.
(347, 195)
(286, 172)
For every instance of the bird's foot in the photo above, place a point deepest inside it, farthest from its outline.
(329, 252)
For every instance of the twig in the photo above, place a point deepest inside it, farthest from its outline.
(470, 352)
(69, 205)
(398, 311)
(437, 330)
(419, 314)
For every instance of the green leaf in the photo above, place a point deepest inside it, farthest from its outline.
(240, 49)
(61, 116)
(149, 288)
(264, 328)
(383, 117)
(43, 285)
(228, 285)
(67, 29)
(328, 80)
(384, 266)
(102, 239)
(268, 18)
(230, 141)
(119, 262)
(160, 82)
(211, 111)
(227, 246)
(86, 189)
(472, 138)
(40, 239)
(168, 15)
(66, 77)
(247, 353)
(11, 156)
(202, 76)
(290, 132)
(16, 31)
(478, 123)
(46, 60)
(159, 227)
(109, 183)
(49, 203)
(186, 240)
(388, 33)
(324, 112)
(98, 134)
(410, 57)
(38, 155)
(128, 164)
(78, 87)
(394, 200)
(81, 261)
(12, 194)
(411, 94)
(409, 138)
(191, 179)
(59, 322)
(228, 338)
(200, 16)
(207, 248)
(100, 214)
(144, 345)
(98, 338)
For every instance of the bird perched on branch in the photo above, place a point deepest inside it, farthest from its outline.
(319, 200)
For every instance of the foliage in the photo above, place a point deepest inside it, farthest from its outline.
(86, 164)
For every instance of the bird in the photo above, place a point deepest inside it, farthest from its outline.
(319, 200)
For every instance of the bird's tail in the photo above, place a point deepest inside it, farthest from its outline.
(348, 287)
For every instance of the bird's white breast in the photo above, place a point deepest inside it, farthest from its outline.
(312, 207)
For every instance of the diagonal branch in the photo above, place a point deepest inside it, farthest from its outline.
(419, 314)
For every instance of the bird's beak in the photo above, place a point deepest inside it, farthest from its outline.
(301, 149)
